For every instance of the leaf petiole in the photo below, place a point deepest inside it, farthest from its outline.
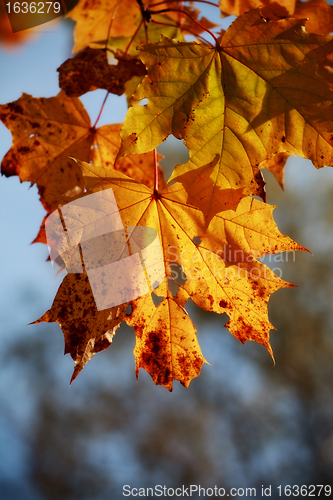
(183, 12)
(101, 110)
(178, 26)
(155, 173)
(172, 1)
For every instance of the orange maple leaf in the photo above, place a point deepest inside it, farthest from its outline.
(46, 133)
(220, 264)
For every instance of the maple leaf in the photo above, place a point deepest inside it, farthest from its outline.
(222, 272)
(89, 70)
(86, 329)
(153, 31)
(254, 95)
(260, 93)
(98, 19)
(319, 14)
(46, 133)
(270, 8)
(166, 342)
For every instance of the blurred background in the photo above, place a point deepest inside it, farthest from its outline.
(242, 423)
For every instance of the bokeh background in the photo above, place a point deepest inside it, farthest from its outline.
(243, 423)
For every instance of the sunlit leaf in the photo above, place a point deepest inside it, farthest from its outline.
(46, 133)
(220, 262)
(254, 95)
(86, 330)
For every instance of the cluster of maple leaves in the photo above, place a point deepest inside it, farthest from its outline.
(241, 99)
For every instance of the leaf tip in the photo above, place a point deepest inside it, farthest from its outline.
(74, 375)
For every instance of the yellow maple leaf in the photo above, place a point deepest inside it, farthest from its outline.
(99, 19)
(121, 22)
(255, 94)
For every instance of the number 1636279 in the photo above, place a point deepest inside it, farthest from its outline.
(33, 7)
(305, 490)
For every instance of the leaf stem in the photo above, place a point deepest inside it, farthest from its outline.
(190, 17)
(182, 12)
(172, 1)
(111, 22)
(133, 37)
(179, 26)
(101, 110)
(155, 173)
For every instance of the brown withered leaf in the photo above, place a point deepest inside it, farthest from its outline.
(89, 70)
(86, 330)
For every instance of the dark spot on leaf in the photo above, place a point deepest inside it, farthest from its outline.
(23, 149)
(211, 300)
(15, 108)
